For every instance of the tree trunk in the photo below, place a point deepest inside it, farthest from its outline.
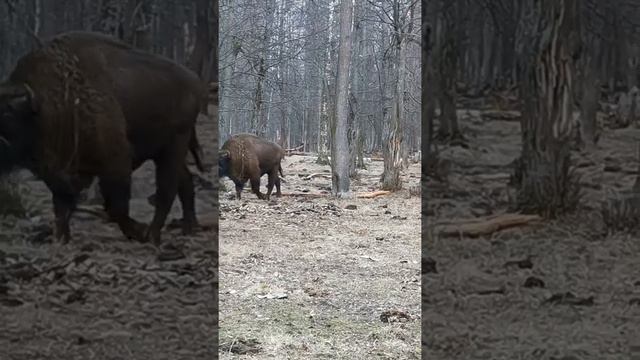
(428, 93)
(213, 115)
(589, 132)
(352, 132)
(340, 147)
(548, 52)
(110, 15)
(393, 151)
(282, 79)
(199, 59)
(447, 74)
(258, 124)
(259, 119)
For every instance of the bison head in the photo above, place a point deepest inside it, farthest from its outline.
(224, 163)
(17, 125)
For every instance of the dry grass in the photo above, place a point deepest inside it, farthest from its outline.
(469, 319)
(339, 269)
(101, 296)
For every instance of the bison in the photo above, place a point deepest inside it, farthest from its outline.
(85, 105)
(247, 157)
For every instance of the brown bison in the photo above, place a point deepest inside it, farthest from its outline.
(247, 157)
(85, 105)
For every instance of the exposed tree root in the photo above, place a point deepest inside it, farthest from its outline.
(486, 226)
(372, 195)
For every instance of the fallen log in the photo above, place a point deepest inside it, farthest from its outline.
(493, 177)
(367, 195)
(300, 153)
(506, 115)
(297, 148)
(307, 195)
(374, 194)
(309, 177)
(485, 226)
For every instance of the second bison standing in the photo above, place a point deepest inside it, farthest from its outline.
(247, 157)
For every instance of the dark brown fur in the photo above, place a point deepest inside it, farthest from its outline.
(246, 157)
(103, 109)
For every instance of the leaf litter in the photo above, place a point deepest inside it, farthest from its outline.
(309, 277)
(102, 296)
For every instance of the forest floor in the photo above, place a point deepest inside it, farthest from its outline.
(477, 303)
(310, 278)
(101, 296)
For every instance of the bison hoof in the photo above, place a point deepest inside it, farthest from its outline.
(63, 236)
(189, 227)
(152, 200)
(136, 232)
(152, 236)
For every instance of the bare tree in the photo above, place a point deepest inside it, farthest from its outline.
(402, 19)
(447, 55)
(340, 147)
(427, 99)
(279, 72)
(549, 47)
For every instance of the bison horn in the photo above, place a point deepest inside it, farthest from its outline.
(15, 91)
(32, 97)
(29, 90)
(224, 154)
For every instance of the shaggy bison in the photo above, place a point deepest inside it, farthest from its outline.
(247, 157)
(85, 105)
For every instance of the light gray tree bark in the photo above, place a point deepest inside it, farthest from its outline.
(548, 51)
(340, 147)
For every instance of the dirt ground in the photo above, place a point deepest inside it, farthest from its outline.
(483, 300)
(309, 278)
(102, 296)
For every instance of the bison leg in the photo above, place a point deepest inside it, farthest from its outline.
(273, 175)
(278, 193)
(255, 187)
(186, 193)
(106, 205)
(239, 188)
(168, 168)
(65, 198)
(116, 193)
(63, 205)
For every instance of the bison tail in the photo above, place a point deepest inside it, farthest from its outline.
(280, 170)
(196, 150)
